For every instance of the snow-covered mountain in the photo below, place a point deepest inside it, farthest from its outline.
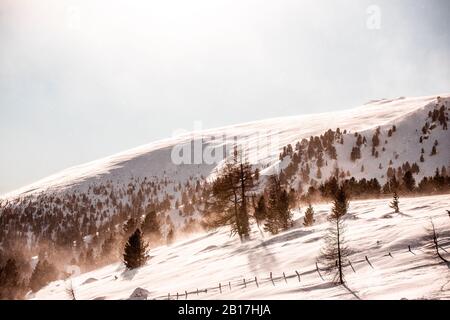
(72, 214)
(154, 160)
(94, 197)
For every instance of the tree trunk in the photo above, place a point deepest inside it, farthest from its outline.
(436, 246)
(244, 203)
(236, 214)
(341, 278)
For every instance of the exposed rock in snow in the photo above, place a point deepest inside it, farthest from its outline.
(139, 294)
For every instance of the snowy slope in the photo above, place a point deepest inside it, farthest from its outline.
(154, 159)
(405, 145)
(205, 260)
(90, 196)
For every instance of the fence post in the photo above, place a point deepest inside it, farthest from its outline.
(271, 278)
(318, 271)
(367, 259)
(351, 266)
(298, 275)
(168, 296)
(177, 295)
(220, 287)
(245, 284)
(256, 281)
(186, 294)
(229, 285)
(284, 276)
(197, 291)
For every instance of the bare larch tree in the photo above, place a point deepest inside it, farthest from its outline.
(335, 249)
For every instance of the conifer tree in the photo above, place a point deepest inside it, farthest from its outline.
(43, 273)
(319, 173)
(375, 139)
(231, 194)
(433, 151)
(170, 236)
(335, 250)
(308, 220)
(409, 182)
(355, 153)
(340, 202)
(261, 209)
(279, 216)
(129, 226)
(89, 260)
(108, 252)
(9, 280)
(135, 254)
(394, 204)
(391, 185)
(284, 212)
(150, 226)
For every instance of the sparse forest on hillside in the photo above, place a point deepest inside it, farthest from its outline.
(45, 235)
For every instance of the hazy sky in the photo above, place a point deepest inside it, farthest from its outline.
(80, 80)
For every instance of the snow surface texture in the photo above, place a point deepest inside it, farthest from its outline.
(154, 159)
(205, 260)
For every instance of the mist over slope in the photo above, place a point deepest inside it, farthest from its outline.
(79, 209)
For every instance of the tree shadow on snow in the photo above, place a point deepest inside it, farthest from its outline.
(261, 258)
(351, 291)
(129, 274)
(393, 214)
(284, 237)
(200, 238)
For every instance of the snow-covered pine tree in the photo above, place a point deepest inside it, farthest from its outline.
(135, 254)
